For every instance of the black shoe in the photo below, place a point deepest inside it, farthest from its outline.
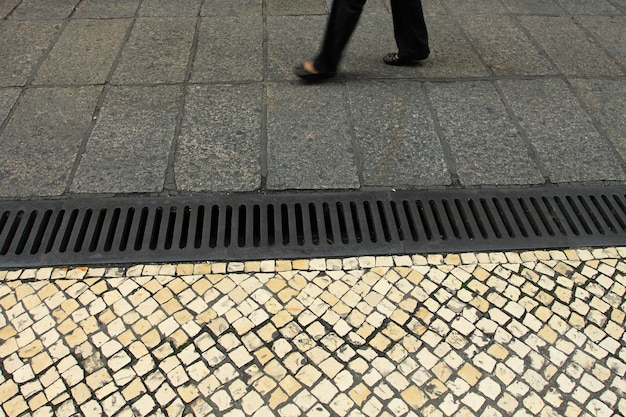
(395, 59)
(311, 76)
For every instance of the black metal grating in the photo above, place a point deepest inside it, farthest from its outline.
(247, 227)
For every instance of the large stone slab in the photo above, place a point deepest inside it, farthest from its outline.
(170, 8)
(465, 7)
(291, 40)
(609, 31)
(232, 8)
(8, 97)
(220, 142)
(23, 44)
(293, 8)
(569, 47)
(309, 145)
(396, 136)
(48, 9)
(562, 134)
(504, 47)
(129, 147)
(589, 7)
(39, 146)
(484, 142)
(536, 7)
(85, 52)
(7, 6)
(106, 9)
(226, 54)
(606, 100)
(157, 52)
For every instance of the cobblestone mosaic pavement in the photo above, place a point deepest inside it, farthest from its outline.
(489, 334)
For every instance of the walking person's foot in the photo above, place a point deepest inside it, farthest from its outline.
(395, 59)
(308, 72)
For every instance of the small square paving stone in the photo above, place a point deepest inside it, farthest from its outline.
(608, 30)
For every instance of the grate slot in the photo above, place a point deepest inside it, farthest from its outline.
(615, 212)
(14, 226)
(468, 220)
(598, 217)
(411, 220)
(42, 229)
(26, 233)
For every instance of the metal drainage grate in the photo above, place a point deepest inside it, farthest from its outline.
(247, 227)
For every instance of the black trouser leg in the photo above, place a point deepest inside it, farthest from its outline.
(409, 29)
(344, 16)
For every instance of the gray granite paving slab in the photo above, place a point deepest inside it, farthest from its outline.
(396, 137)
(103, 9)
(128, 149)
(170, 8)
(8, 97)
(309, 145)
(232, 8)
(225, 52)
(566, 142)
(7, 6)
(483, 140)
(504, 47)
(300, 7)
(609, 31)
(48, 9)
(85, 52)
(606, 100)
(39, 146)
(219, 147)
(569, 47)
(21, 46)
(590, 7)
(536, 7)
(157, 52)
(464, 7)
(291, 40)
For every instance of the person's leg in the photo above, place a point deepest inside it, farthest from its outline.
(344, 16)
(410, 29)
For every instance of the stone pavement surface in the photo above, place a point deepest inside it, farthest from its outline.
(488, 334)
(101, 98)
(108, 97)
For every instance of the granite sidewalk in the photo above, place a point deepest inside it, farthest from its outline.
(109, 98)
(101, 98)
